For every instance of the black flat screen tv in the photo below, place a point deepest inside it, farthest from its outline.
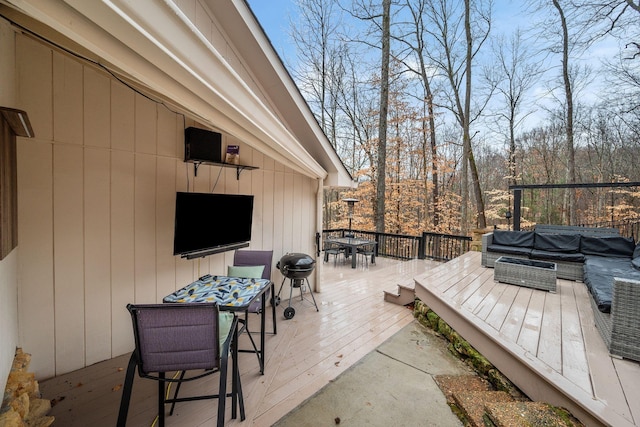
(208, 223)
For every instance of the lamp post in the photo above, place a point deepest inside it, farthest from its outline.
(507, 214)
(350, 203)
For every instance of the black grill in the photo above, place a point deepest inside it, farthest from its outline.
(296, 267)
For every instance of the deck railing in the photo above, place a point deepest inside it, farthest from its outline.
(440, 247)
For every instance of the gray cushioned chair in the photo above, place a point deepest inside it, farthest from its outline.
(179, 338)
(252, 258)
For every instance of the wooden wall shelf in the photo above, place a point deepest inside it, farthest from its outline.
(239, 168)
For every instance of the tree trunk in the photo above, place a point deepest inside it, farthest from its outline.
(571, 166)
(466, 137)
(382, 127)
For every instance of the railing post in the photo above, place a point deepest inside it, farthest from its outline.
(517, 201)
(422, 243)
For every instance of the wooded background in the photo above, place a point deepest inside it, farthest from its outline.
(435, 112)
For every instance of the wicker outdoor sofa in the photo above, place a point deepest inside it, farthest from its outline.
(607, 263)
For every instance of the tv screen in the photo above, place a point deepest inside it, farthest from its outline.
(206, 221)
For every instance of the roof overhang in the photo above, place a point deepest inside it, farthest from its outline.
(156, 46)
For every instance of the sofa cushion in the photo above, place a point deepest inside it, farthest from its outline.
(636, 251)
(635, 262)
(523, 239)
(512, 250)
(557, 242)
(599, 272)
(557, 256)
(615, 246)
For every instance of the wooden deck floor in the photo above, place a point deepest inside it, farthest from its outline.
(309, 351)
(546, 343)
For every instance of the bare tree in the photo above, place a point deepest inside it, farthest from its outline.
(568, 92)
(319, 59)
(516, 74)
(415, 41)
(453, 28)
(380, 20)
(384, 103)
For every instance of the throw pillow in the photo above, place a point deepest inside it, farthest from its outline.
(247, 272)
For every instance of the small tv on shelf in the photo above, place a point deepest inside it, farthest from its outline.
(208, 223)
(202, 145)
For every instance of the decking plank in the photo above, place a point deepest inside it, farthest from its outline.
(498, 313)
(514, 319)
(574, 358)
(628, 373)
(532, 323)
(473, 283)
(550, 340)
(606, 383)
(490, 300)
(474, 300)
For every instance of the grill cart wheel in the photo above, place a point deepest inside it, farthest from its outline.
(289, 312)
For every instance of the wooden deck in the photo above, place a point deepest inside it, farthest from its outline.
(546, 343)
(309, 351)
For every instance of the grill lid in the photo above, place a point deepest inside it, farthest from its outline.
(296, 261)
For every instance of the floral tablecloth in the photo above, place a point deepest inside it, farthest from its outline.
(234, 293)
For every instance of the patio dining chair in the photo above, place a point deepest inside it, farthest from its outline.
(179, 338)
(334, 250)
(366, 252)
(247, 263)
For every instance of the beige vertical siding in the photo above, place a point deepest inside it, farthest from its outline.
(96, 193)
(8, 265)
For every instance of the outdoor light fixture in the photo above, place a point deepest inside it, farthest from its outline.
(18, 121)
(350, 203)
(507, 215)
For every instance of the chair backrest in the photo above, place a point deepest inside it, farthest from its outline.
(250, 258)
(175, 337)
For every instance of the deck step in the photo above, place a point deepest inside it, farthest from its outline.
(405, 295)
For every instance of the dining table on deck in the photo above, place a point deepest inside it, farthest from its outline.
(234, 294)
(351, 244)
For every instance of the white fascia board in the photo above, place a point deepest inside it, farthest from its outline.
(151, 43)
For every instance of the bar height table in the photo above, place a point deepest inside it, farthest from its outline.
(231, 294)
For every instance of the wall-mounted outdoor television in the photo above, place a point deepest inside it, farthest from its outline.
(208, 223)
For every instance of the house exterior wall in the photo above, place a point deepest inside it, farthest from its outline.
(8, 265)
(96, 192)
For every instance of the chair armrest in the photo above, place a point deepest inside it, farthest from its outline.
(487, 239)
(625, 318)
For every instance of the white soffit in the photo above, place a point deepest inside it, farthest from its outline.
(154, 44)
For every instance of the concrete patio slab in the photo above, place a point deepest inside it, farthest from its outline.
(393, 385)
